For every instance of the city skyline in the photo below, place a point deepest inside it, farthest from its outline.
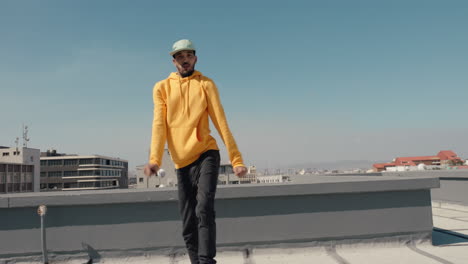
(309, 82)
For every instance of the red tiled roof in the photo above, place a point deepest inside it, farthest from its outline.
(383, 165)
(419, 158)
(448, 155)
(412, 160)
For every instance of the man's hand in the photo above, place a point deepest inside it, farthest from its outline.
(240, 171)
(150, 169)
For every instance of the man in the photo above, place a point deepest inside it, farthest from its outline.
(182, 104)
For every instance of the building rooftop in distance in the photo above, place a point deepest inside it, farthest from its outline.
(444, 157)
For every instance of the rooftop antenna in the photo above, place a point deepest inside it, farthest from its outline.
(25, 136)
(16, 142)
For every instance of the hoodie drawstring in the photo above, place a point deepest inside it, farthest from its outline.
(184, 101)
(187, 100)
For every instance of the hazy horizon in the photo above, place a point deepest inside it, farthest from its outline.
(302, 81)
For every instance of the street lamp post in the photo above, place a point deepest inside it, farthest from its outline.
(42, 211)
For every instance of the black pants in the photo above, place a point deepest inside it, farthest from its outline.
(197, 188)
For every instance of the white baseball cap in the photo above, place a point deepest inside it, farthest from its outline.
(180, 45)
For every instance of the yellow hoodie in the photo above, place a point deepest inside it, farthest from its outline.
(181, 109)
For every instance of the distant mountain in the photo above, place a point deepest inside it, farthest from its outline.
(337, 165)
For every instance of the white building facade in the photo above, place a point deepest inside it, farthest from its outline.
(19, 169)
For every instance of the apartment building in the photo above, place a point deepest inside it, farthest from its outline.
(74, 172)
(19, 169)
(227, 176)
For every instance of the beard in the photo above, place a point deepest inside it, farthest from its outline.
(186, 73)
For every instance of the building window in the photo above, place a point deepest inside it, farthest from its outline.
(55, 174)
(70, 173)
(43, 162)
(140, 179)
(86, 161)
(6, 154)
(87, 173)
(17, 168)
(70, 162)
(55, 163)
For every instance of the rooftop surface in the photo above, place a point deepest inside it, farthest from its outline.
(449, 225)
(450, 245)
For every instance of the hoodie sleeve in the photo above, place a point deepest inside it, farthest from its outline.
(158, 135)
(217, 115)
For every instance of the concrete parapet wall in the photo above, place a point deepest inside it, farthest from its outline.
(431, 173)
(452, 191)
(453, 184)
(326, 208)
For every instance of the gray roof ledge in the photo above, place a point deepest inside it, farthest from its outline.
(316, 185)
(319, 209)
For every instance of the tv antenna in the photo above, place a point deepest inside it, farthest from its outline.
(16, 142)
(25, 136)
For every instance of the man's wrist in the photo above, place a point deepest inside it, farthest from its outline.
(152, 164)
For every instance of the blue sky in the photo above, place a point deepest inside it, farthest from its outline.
(300, 80)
